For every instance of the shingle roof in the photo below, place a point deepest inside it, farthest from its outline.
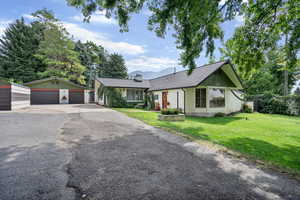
(183, 80)
(53, 78)
(124, 83)
(170, 81)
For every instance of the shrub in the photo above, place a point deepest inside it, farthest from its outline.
(246, 109)
(220, 114)
(272, 104)
(170, 111)
(149, 103)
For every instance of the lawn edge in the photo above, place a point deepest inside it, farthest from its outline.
(262, 164)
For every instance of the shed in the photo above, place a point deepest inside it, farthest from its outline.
(57, 91)
(13, 96)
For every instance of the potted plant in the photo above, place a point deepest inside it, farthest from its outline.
(171, 114)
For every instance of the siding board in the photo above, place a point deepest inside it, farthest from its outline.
(5, 97)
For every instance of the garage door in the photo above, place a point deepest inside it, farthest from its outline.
(76, 96)
(44, 96)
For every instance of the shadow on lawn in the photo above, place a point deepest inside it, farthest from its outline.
(195, 132)
(215, 120)
(287, 156)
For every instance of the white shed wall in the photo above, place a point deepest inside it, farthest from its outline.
(233, 103)
(20, 90)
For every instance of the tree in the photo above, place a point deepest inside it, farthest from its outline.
(56, 50)
(17, 49)
(266, 79)
(115, 67)
(93, 57)
(197, 24)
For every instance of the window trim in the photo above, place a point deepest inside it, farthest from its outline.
(205, 99)
(135, 95)
(218, 88)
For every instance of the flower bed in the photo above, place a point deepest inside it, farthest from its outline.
(171, 115)
(178, 117)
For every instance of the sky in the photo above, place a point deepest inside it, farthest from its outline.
(141, 48)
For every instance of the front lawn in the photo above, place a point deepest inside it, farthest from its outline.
(272, 138)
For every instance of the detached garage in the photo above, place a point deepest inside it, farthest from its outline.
(56, 91)
(13, 96)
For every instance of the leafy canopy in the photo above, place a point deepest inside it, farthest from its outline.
(197, 24)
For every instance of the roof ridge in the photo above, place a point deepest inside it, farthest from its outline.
(53, 78)
(187, 70)
(125, 79)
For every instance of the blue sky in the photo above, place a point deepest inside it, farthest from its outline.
(141, 48)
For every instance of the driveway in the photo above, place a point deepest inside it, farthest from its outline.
(66, 152)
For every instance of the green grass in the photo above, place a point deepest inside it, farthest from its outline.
(271, 138)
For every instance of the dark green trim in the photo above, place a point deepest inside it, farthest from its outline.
(218, 79)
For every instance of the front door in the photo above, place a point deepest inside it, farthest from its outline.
(164, 100)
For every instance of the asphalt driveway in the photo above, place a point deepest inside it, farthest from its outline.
(89, 152)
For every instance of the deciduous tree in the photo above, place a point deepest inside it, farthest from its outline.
(197, 24)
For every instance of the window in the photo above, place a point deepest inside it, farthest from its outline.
(156, 97)
(135, 95)
(201, 98)
(216, 98)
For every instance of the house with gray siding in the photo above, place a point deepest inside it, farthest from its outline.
(209, 89)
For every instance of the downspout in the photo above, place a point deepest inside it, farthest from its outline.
(183, 100)
(177, 99)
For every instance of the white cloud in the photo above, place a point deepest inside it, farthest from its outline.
(83, 34)
(239, 20)
(147, 12)
(145, 63)
(28, 16)
(97, 18)
(3, 26)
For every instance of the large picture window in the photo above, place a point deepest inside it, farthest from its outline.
(201, 98)
(135, 95)
(216, 98)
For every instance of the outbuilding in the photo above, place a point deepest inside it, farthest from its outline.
(58, 91)
(13, 96)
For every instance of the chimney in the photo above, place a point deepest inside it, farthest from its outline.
(138, 77)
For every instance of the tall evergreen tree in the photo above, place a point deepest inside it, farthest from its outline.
(57, 51)
(17, 49)
(115, 67)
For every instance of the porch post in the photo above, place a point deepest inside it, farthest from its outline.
(207, 99)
